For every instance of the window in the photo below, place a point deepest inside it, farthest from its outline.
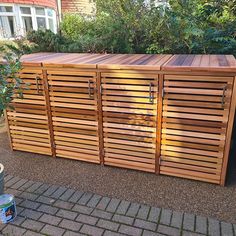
(17, 20)
(7, 22)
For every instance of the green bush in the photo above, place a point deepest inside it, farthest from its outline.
(133, 26)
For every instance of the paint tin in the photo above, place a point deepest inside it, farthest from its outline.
(7, 208)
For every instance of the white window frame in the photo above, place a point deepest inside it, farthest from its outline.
(18, 17)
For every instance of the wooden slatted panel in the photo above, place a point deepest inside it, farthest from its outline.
(73, 100)
(129, 120)
(28, 122)
(195, 116)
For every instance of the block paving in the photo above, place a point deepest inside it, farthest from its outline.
(52, 210)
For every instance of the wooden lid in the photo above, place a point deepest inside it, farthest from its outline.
(76, 60)
(207, 63)
(134, 61)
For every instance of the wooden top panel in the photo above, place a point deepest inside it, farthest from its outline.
(134, 61)
(219, 63)
(101, 61)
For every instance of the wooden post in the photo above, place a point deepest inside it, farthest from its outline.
(100, 118)
(49, 113)
(228, 135)
(159, 123)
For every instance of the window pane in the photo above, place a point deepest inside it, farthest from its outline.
(27, 23)
(25, 10)
(40, 11)
(41, 23)
(50, 12)
(51, 25)
(5, 9)
(7, 26)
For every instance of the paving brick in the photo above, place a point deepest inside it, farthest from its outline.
(67, 194)
(91, 230)
(108, 225)
(70, 233)
(87, 219)
(187, 233)
(63, 204)
(33, 225)
(11, 182)
(145, 224)
(94, 200)
(123, 219)
(82, 209)
(26, 185)
(133, 209)
(123, 207)
(110, 233)
(50, 190)
(13, 230)
(165, 216)
(48, 209)
(52, 230)
(35, 215)
(201, 225)
(226, 229)
(17, 221)
(67, 214)
(213, 227)
(129, 230)
(113, 204)
(189, 221)
(71, 225)
(234, 226)
(19, 209)
(46, 200)
(19, 183)
(58, 192)
(102, 214)
(170, 231)
(177, 219)
(53, 220)
(85, 198)
(42, 189)
(31, 233)
(150, 233)
(30, 204)
(18, 200)
(14, 192)
(154, 214)
(28, 196)
(76, 196)
(143, 212)
(33, 187)
(7, 178)
(102, 205)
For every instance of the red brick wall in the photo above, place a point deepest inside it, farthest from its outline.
(78, 6)
(45, 3)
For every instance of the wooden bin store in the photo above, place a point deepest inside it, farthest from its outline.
(165, 114)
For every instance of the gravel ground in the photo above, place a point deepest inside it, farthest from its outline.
(161, 191)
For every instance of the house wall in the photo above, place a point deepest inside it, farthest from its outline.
(86, 7)
(45, 3)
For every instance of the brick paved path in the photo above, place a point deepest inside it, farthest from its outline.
(45, 209)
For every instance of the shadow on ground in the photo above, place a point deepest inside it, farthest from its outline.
(161, 191)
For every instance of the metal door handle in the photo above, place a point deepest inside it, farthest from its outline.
(223, 96)
(150, 93)
(37, 84)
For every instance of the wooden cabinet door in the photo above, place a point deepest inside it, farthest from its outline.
(28, 122)
(73, 100)
(129, 105)
(194, 122)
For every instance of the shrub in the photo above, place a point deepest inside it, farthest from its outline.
(135, 26)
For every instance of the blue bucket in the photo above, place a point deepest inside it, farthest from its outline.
(7, 208)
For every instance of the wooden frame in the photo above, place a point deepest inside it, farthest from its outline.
(115, 122)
